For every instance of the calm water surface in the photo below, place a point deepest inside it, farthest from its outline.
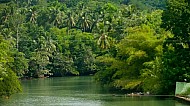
(77, 91)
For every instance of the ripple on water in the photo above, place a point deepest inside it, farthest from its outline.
(61, 101)
(55, 101)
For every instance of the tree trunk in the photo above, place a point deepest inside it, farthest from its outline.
(17, 36)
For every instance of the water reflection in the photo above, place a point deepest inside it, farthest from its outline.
(77, 91)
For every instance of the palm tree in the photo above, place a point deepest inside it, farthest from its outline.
(58, 21)
(52, 14)
(84, 23)
(5, 15)
(16, 21)
(103, 41)
(33, 16)
(70, 22)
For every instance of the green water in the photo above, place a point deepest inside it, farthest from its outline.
(77, 91)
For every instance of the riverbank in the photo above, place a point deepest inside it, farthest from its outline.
(183, 99)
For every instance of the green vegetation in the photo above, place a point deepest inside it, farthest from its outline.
(9, 83)
(127, 44)
(185, 94)
(147, 4)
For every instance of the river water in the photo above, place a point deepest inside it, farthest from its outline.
(77, 91)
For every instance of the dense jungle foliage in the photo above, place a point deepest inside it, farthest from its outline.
(130, 45)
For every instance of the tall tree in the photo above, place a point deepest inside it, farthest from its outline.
(176, 18)
(70, 21)
(84, 22)
(9, 82)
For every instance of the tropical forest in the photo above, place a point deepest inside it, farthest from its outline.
(126, 45)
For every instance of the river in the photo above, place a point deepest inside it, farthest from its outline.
(77, 91)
